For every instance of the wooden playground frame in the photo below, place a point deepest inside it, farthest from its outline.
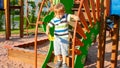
(102, 10)
(7, 9)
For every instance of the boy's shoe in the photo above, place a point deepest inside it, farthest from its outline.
(58, 64)
(64, 65)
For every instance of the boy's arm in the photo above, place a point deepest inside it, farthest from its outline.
(76, 18)
(47, 29)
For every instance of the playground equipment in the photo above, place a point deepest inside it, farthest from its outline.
(7, 9)
(92, 16)
(28, 23)
(96, 13)
(115, 37)
(88, 35)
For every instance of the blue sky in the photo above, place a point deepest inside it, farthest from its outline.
(115, 7)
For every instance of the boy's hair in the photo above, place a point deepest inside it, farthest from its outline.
(59, 8)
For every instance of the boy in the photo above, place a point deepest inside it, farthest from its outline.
(61, 41)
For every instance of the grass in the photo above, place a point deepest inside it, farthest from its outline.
(17, 31)
(17, 18)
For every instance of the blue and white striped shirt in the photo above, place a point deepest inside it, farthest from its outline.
(61, 25)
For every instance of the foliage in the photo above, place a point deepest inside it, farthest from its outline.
(32, 13)
(13, 2)
(1, 20)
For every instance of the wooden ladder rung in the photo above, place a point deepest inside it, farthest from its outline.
(75, 9)
(77, 52)
(51, 64)
(78, 42)
(76, 2)
(80, 31)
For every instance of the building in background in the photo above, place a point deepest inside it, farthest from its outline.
(1, 4)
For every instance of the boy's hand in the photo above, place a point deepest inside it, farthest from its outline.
(47, 32)
(76, 18)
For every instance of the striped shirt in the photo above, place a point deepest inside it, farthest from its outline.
(61, 25)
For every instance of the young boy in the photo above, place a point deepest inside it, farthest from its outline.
(61, 41)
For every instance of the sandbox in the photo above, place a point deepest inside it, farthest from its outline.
(25, 52)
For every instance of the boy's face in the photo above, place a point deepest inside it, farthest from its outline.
(59, 14)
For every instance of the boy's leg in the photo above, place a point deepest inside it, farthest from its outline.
(64, 64)
(64, 59)
(59, 61)
(57, 52)
(59, 57)
(64, 49)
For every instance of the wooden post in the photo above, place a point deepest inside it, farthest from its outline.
(115, 39)
(7, 15)
(21, 18)
(102, 38)
(36, 31)
(107, 5)
(106, 13)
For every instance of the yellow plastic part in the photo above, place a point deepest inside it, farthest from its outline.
(51, 38)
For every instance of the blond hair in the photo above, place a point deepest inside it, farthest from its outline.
(59, 8)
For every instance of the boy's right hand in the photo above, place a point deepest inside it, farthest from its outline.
(47, 32)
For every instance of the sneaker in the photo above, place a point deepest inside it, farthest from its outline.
(58, 64)
(64, 65)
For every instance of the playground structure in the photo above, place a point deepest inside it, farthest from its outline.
(7, 9)
(92, 16)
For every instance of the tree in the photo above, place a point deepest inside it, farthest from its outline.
(1, 20)
(32, 17)
(13, 3)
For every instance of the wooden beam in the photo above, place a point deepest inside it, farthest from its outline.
(7, 15)
(98, 9)
(93, 10)
(87, 10)
(15, 7)
(21, 18)
(36, 31)
(115, 39)
(102, 38)
(107, 5)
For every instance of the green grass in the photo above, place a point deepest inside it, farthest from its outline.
(17, 18)
(17, 31)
